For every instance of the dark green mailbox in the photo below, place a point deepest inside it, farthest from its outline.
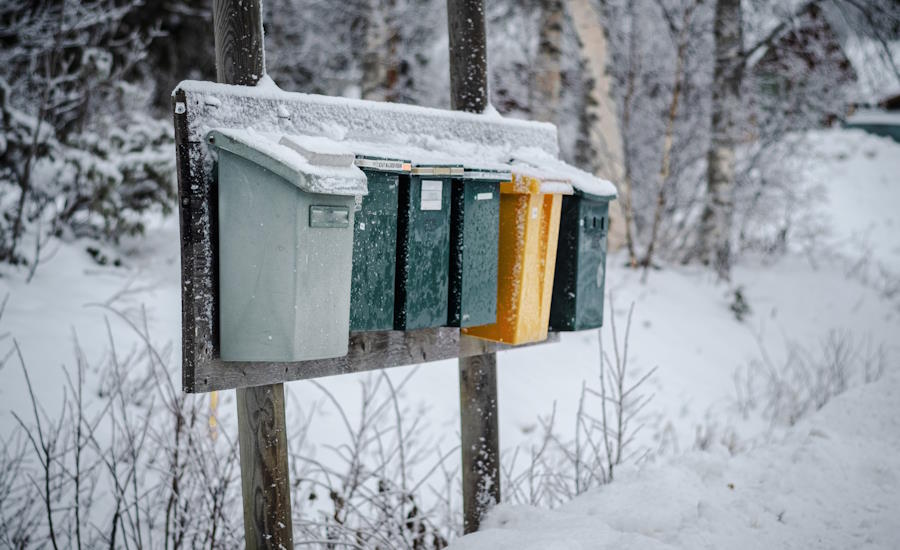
(474, 234)
(375, 244)
(423, 247)
(578, 284)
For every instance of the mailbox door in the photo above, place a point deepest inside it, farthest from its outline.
(474, 237)
(593, 225)
(284, 267)
(374, 254)
(423, 253)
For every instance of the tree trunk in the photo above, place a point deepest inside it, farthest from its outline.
(714, 238)
(380, 64)
(548, 79)
(665, 167)
(603, 134)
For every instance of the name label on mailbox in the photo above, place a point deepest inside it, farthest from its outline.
(432, 192)
(329, 216)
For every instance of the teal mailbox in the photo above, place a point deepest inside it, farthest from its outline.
(375, 244)
(286, 213)
(423, 247)
(474, 237)
(579, 282)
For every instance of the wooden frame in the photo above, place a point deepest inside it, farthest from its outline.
(200, 107)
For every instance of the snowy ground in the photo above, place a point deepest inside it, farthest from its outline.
(832, 482)
(829, 485)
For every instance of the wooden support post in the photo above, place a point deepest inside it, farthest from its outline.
(477, 368)
(265, 485)
(468, 55)
(262, 435)
(479, 433)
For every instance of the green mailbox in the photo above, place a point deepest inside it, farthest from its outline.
(578, 285)
(474, 237)
(286, 211)
(375, 244)
(423, 247)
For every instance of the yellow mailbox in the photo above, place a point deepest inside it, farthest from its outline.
(530, 207)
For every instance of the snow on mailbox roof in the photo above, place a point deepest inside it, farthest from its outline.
(582, 181)
(267, 108)
(314, 164)
(387, 130)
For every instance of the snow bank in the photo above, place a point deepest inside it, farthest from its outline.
(832, 482)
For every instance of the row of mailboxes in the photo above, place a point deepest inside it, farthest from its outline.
(316, 242)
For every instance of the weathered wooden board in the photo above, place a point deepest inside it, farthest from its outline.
(199, 106)
(368, 351)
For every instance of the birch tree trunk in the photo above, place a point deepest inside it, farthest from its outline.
(373, 60)
(604, 136)
(548, 79)
(380, 65)
(714, 238)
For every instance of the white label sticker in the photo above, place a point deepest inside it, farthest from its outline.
(383, 164)
(432, 191)
(534, 212)
(484, 196)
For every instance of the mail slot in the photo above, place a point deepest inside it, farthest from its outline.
(285, 213)
(375, 244)
(474, 237)
(423, 247)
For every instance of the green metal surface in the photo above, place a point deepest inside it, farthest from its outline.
(579, 282)
(423, 259)
(474, 236)
(374, 250)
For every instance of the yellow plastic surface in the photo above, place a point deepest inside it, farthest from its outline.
(529, 228)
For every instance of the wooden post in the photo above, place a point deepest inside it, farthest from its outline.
(468, 55)
(262, 435)
(479, 433)
(264, 469)
(477, 372)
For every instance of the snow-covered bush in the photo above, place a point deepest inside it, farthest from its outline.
(804, 380)
(78, 156)
(609, 416)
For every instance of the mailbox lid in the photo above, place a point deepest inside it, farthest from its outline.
(474, 245)
(374, 251)
(375, 242)
(313, 164)
(423, 247)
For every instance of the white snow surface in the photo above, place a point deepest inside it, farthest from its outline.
(537, 163)
(874, 116)
(831, 482)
